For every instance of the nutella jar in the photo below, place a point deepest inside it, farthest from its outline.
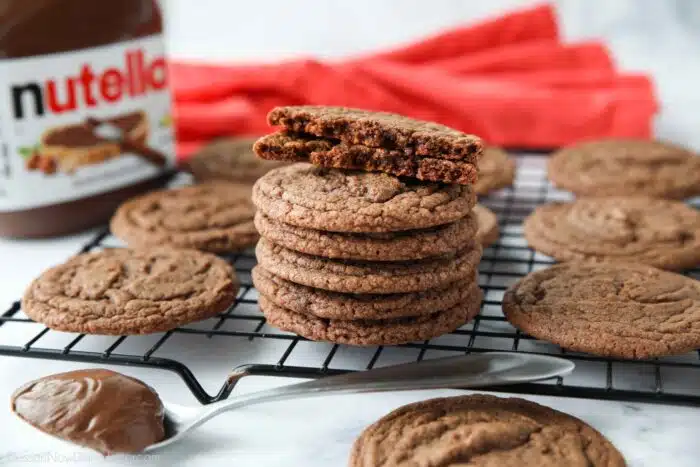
(85, 120)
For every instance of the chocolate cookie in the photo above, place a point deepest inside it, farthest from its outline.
(365, 276)
(121, 291)
(343, 201)
(388, 246)
(496, 171)
(488, 232)
(284, 146)
(627, 167)
(230, 159)
(481, 430)
(661, 233)
(373, 332)
(414, 138)
(344, 306)
(214, 216)
(612, 310)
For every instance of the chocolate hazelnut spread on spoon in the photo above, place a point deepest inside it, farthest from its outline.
(99, 409)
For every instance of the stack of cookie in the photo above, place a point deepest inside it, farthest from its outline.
(351, 253)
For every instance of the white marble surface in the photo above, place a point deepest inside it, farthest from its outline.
(660, 37)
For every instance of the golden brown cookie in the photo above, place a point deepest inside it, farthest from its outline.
(481, 430)
(627, 167)
(379, 246)
(367, 276)
(230, 159)
(373, 332)
(348, 306)
(215, 216)
(661, 233)
(351, 201)
(613, 310)
(496, 171)
(488, 231)
(121, 291)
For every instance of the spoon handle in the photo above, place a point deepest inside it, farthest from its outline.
(465, 371)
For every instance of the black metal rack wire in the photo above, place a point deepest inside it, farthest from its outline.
(673, 380)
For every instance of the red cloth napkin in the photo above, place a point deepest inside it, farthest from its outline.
(509, 80)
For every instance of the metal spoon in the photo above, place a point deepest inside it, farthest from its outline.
(467, 371)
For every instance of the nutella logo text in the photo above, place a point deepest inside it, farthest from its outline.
(89, 88)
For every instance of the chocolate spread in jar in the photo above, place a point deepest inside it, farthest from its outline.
(99, 409)
(62, 63)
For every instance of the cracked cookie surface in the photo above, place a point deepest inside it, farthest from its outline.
(481, 430)
(351, 201)
(216, 216)
(122, 291)
(496, 171)
(613, 310)
(229, 159)
(378, 246)
(347, 306)
(661, 233)
(379, 130)
(283, 146)
(368, 276)
(626, 167)
(373, 332)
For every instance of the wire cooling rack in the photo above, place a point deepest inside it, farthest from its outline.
(241, 339)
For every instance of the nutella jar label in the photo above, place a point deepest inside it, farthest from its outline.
(76, 124)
